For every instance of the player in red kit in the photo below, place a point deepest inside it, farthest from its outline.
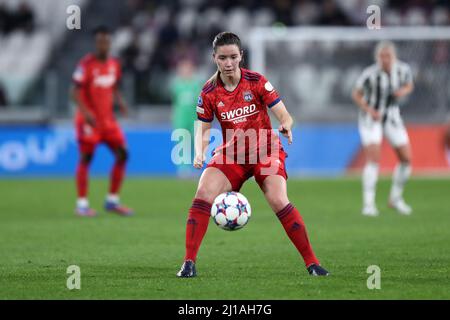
(96, 81)
(239, 99)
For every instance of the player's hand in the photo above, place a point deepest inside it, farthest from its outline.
(374, 114)
(286, 132)
(124, 110)
(199, 161)
(89, 119)
(400, 93)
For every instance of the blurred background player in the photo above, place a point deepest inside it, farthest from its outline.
(184, 90)
(377, 93)
(447, 139)
(96, 87)
(227, 95)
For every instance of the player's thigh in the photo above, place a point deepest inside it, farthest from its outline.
(87, 134)
(275, 190)
(370, 132)
(372, 152)
(404, 153)
(212, 183)
(271, 177)
(115, 140)
(397, 136)
(88, 139)
(235, 173)
(86, 151)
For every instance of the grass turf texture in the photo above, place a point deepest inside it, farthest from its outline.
(137, 257)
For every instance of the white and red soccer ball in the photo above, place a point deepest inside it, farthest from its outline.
(231, 211)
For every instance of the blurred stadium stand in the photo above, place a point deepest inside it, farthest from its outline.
(151, 36)
(31, 31)
(39, 54)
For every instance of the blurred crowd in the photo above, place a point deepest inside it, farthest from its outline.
(180, 27)
(183, 29)
(17, 19)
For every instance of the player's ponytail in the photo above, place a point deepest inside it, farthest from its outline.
(223, 39)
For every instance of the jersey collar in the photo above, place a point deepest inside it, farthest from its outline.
(220, 82)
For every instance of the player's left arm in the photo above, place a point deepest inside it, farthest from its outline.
(407, 87)
(123, 106)
(285, 120)
(404, 90)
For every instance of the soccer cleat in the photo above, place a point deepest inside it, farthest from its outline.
(316, 270)
(401, 207)
(85, 212)
(115, 207)
(370, 211)
(187, 270)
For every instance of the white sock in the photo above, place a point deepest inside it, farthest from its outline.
(401, 174)
(369, 181)
(82, 203)
(114, 198)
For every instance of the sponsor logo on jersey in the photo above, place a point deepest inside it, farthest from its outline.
(268, 86)
(105, 81)
(220, 104)
(239, 114)
(248, 96)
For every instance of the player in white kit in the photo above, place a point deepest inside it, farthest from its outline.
(377, 93)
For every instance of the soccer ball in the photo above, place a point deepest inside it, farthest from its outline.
(231, 211)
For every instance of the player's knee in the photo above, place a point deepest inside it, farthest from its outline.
(278, 203)
(405, 159)
(122, 155)
(404, 155)
(86, 158)
(205, 194)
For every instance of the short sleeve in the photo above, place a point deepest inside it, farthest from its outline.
(408, 77)
(362, 80)
(267, 92)
(204, 109)
(80, 75)
(118, 73)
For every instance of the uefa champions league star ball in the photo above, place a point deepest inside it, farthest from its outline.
(231, 211)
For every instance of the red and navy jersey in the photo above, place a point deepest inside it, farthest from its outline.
(98, 81)
(243, 108)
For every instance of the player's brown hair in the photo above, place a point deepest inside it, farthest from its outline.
(223, 39)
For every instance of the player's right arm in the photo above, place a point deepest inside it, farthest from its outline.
(80, 79)
(205, 117)
(201, 142)
(76, 93)
(358, 96)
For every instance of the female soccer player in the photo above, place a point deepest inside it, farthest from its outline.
(239, 98)
(377, 92)
(96, 87)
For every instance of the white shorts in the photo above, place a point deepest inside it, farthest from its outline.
(393, 129)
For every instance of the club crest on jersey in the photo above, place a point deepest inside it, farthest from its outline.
(248, 96)
(200, 101)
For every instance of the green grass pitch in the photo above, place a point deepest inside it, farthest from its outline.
(138, 257)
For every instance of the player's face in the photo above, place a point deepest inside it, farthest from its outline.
(227, 59)
(103, 44)
(386, 58)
